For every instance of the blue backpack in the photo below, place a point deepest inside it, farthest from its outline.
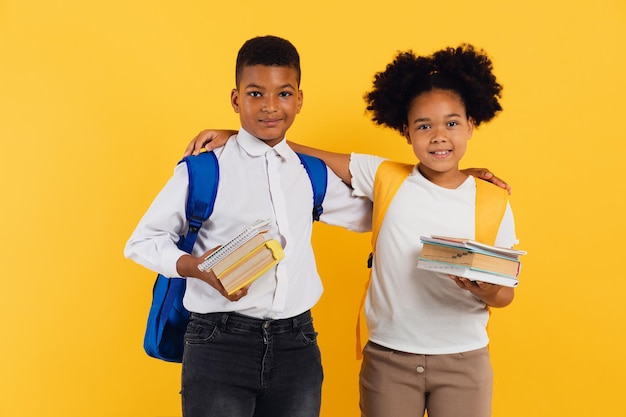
(168, 318)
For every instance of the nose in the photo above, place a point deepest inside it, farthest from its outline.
(270, 104)
(438, 135)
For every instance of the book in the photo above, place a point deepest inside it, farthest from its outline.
(469, 273)
(470, 258)
(242, 267)
(234, 256)
(257, 227)
(474, 246)
(245, 257)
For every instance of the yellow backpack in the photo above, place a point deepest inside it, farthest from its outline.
(491, 202)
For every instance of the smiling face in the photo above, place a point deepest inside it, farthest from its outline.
(438, 131)
(267, 100)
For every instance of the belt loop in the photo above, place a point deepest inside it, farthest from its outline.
(302, 318)
(224, 319)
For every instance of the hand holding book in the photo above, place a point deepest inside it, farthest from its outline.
(470, 259)
(244, 258)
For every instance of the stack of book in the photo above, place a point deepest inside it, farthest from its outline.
(244, 258)
(470, 259)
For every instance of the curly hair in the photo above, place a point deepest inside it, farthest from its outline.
(463, 69)
(267, 50)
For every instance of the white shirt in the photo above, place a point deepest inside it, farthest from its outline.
(410, 309)
(256, 182)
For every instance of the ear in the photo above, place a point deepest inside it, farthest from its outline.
(470, 127)
(234, 99)
(405, 133)
(300, 101)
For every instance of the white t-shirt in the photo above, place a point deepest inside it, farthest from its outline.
(410, 309)
(256, 182)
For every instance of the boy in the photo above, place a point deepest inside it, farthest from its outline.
(257, 356)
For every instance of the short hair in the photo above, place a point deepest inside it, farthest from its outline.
(464, 70)
(270, 51)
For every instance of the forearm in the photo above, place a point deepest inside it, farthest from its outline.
(338, 162)
(500, 298)
(187, 266)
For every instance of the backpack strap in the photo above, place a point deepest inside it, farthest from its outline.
(204, 174)
(389, 177)
(168, 318)
(318, 174)
(491, 202)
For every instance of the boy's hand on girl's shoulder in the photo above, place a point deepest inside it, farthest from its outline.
(485, 174)
(187, 266)
(208, 140)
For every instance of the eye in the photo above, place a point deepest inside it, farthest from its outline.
(423, 126)
(285, 94)
(453, 123)
(254, 94)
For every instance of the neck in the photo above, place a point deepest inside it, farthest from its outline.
(452, 178)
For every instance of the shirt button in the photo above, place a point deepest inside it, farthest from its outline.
(420, 369)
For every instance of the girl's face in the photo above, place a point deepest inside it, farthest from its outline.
(438, 130)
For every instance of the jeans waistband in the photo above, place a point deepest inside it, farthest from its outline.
(251, 323)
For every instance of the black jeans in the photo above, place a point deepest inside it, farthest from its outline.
(238, 366)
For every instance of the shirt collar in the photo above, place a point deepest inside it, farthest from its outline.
(256, 147)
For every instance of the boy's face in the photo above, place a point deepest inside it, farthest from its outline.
(267, 100)
(438, 130)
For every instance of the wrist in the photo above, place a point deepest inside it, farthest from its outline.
(185, 265)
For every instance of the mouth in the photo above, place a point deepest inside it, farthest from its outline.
(270, 122)
(441, 154)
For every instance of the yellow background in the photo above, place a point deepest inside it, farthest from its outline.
(99, 98)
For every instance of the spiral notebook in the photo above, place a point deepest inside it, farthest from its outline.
(245, 235)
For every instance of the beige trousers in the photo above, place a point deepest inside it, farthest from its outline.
(399, 384)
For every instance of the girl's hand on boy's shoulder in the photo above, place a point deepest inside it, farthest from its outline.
(485, 174)
(208, 140)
